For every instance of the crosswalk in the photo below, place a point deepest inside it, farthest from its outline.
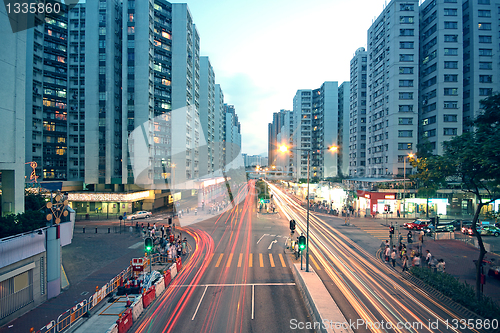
(373, 227)
(252, 260)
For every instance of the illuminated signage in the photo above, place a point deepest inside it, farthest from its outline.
(390, 196)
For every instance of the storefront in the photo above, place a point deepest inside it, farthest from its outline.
(108, 203)
(372, 203)
(419, 206)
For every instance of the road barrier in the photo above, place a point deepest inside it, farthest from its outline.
(159, 287)
(125, 322)
(113, 329)
(67, 318)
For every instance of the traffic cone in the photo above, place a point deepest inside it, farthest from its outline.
(128, 301)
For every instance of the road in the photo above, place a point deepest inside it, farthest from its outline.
(237, 279)
(367, 290)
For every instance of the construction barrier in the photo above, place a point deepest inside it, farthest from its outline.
(167, 278)
(159, 287)
(173, 271)
(178, 263)
(148, 296)
(137, 308)
(113, 329)
(125, 322)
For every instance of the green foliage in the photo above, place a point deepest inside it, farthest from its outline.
(23, 222)
(458, 291)
(261, 190)
(34, 202)
(429, 176)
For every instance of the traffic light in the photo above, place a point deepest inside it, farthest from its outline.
(292, 225)
(391, 230)
(302, 242)
(148, 244)
(386, 208)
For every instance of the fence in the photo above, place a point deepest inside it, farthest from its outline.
(71, 315)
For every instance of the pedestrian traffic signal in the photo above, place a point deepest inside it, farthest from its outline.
(391, 230)
(148, 244)
(292, 225)
(302, 243)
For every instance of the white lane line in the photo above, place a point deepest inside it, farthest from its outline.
(262, 237)
(234, 284)
(273, 235)
(136, 245)
(253, 301)
(270, 246)
(199, 303)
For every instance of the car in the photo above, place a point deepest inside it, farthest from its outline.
(140, 215)
(418, 224)
(459, 223)
(441, 227)
(466, 227)
(490, 230)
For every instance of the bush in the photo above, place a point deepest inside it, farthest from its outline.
(461, 292)
(23, 222)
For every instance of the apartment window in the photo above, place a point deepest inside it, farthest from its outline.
(450, 105)
(451, 38)
(405, 95)
(407, 7)
(405, 121)
(450, 51)
(405, 133)
(485, 91)
(429, 133)
(450, 1)
(405, 70)
(450, 25)
(428, 121)
(406, 83)
(485, 52)
(483, 2)
(485, 65)
(485, 39)
(406, 19)
(450, 131)
(406, 108)
(131, 30)
(451, 64)
(102, 31)
(450, 118)
(450, 78)
(102, 44)
(406, 45)
(406, 32)
(405, 146)
(484, 26)
(486, 78)
(450, 12)
(484, 13)
(450, 91)
(406, 57)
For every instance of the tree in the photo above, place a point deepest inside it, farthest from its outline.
(473, 159)
(429, 176)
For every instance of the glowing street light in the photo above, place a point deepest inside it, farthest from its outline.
(285, 149)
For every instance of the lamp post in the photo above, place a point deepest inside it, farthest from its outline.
(284, 149)
(172, 168)
(410, 155)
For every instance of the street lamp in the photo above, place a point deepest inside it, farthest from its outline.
(410, 155)
(172, 170)
(284, 149)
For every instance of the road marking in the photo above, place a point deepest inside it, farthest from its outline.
(218, 261)
(271, 245)
(315, 263)
(253, 301)
(199, 303)
(210, 259)
(136, 245)
(272, 235)
(271, 259)
(262, 237)
(271, 284)
(250, 260)
(239, 259)
(261, 260)
(229, 260)
(282, 260)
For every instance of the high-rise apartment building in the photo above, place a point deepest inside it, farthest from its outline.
(343, 136)
(47, 97)
(393, 60)
(232, 137)
(316, 121)
(481, 71)
(357, 113)
(284, 160)
(219, 131)
(441, 75)
(207, 116)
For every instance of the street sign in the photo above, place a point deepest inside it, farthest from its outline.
(267, 201)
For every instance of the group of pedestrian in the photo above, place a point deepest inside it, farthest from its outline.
(165, 242)
(414, 258)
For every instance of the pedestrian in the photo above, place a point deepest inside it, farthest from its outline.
(179, 250)
(422, 233)
(403, 251)
(387, 253)
(393, 258)
(184, 246)
(399, 215)
(409, 237)
(405, 263)
(296, 249)
(416, 260)
(428, 258)
(440, 266)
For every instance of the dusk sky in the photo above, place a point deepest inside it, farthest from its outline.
(264, 51)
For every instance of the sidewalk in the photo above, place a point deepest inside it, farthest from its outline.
(90, 260)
